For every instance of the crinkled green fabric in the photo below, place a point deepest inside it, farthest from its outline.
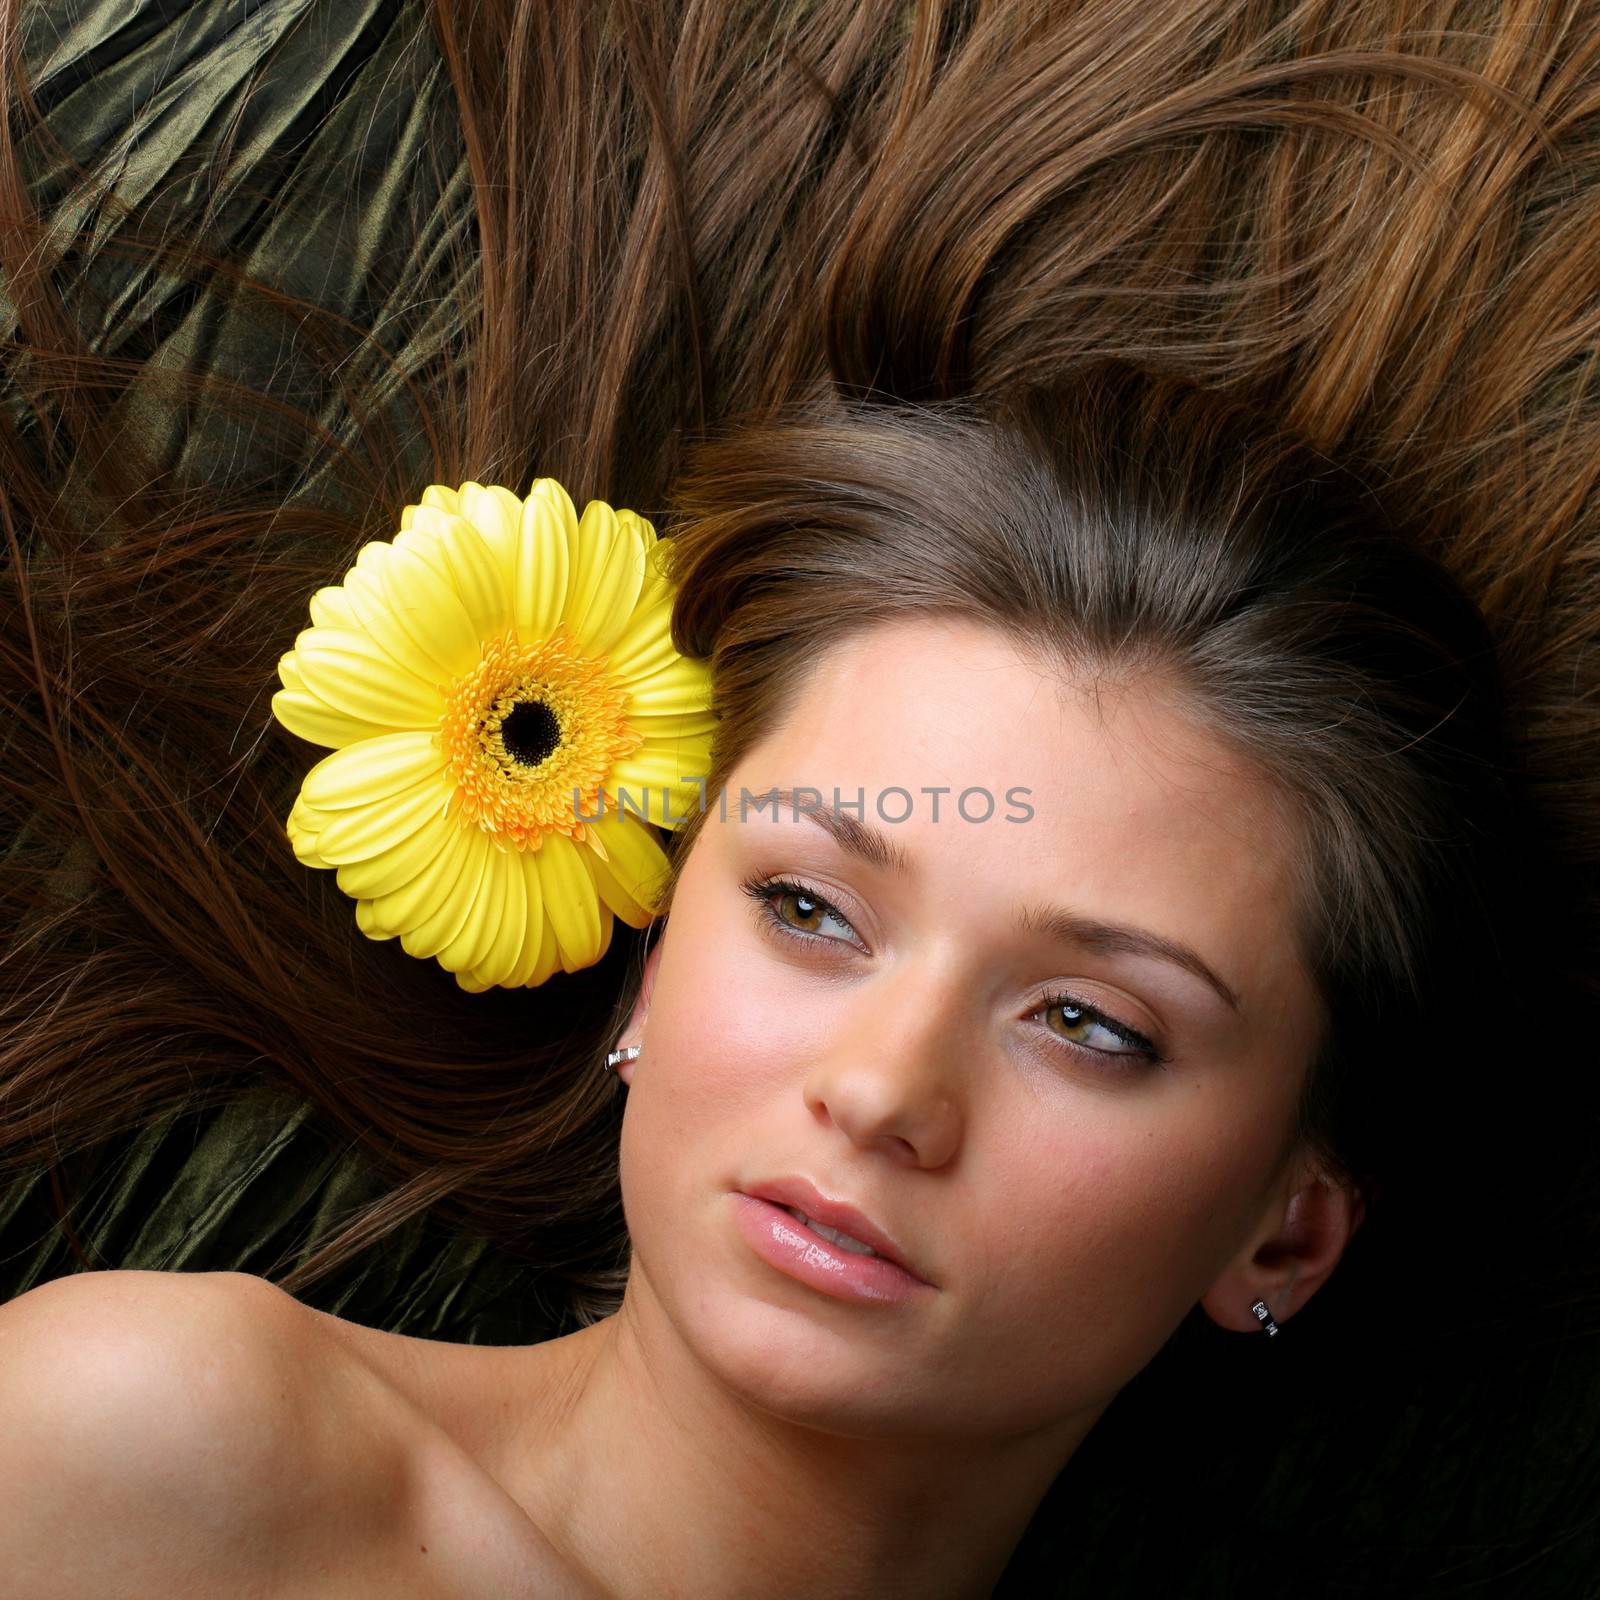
(315, 145)
(244, 1187)
(344, 181)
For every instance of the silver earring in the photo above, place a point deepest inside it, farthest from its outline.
(617, 1057)
(1265, 1316)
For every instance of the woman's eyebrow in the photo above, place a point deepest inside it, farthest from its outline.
(859, 838)
(1114, 938)
(852, 834)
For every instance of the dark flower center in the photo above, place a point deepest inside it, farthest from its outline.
(530, 732)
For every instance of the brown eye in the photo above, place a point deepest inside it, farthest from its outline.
(1079, 1019)
(806, 906)
(803, 914)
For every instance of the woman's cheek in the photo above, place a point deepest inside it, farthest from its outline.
(1104, 1206)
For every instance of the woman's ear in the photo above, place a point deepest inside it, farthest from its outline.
(1303, 1232)
(634, 1031)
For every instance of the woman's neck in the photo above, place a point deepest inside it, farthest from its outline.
(647, 1470)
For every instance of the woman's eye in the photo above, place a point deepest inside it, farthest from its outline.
(1085, 1029)
(804, 912)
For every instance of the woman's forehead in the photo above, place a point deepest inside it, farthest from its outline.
(1004, 785)
(923, 704)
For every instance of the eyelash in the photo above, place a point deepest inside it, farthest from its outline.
(761, 890)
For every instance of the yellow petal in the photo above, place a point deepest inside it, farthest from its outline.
(363, 831)
(356, 641)
(549, 961)
(607, 572)
(330, 608)
(432, 521)
(645, 645)
(311, 717)
(423, 546)
(533, 921)
(685, 685)
(354, 675)
(497, 515)
(410, 905)
(678, 725)
(570, 899)
(367, 921)
(653, 766)
(608, 925)
(663, 805)
(602, 942)
(304, 827)
(476, 935)
(665, 771)
(632, 877)
(658, 589)
(693, 749)
(436, 497)
(642, 527)
(437, 494)
(371, 770)
(478, 578)
(511, 928)
(429, 610)
(370, 605)
(430, 937)
(681, 806)
(391, 869)
(545, 537)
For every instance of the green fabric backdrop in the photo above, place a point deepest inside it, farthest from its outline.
(237, 1187)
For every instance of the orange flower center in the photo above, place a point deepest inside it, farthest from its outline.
(528, 726)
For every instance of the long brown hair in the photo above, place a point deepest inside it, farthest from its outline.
(661, 252)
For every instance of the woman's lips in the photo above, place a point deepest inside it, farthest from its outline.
(799, 1194)
(796, 1250)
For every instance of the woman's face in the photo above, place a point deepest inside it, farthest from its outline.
(1067, 1199)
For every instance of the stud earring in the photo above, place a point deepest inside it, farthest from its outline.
(1265, 1316)
(617, 1057)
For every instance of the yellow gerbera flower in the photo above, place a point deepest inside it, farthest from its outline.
(495, 662)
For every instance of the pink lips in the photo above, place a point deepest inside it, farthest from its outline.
(802, 1194)
(794, 1249)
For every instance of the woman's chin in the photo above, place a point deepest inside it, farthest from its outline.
(794, 1361)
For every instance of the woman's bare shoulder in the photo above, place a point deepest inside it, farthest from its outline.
(210, 1425)
(176, 1422)
(184, 1347)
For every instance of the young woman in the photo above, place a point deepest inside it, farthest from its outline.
(1168, 979)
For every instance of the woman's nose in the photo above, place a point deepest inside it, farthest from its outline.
(891, 1077)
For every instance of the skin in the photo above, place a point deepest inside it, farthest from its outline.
(735, 1425)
